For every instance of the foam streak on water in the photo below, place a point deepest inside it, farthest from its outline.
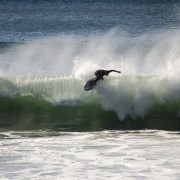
(98, 155)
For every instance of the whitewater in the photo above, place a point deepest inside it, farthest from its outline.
(55, 69)
(96, 155)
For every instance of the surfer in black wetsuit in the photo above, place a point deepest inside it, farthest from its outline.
(100, 73)
(99, 76)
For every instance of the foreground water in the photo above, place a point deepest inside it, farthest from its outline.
(91, 155)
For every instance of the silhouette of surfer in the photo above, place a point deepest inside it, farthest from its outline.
(100, 73)
(99, 76)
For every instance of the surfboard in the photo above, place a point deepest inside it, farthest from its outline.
(90, 84)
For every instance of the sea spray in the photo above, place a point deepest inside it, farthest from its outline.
(56, 69)
(70, 54)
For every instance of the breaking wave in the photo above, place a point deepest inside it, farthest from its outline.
(43, 80)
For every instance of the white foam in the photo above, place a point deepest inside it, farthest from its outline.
(95, 155)
(76, 57)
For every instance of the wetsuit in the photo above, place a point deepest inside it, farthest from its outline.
(100, 73)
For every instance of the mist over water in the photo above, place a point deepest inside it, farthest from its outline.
(149, 64)
(150, 54)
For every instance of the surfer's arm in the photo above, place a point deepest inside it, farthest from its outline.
(109, 71)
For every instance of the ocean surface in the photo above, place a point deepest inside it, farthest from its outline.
(127, 127)
(99, 155)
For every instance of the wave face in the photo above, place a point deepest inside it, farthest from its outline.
(42, 81)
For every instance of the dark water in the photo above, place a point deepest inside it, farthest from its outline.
(31, 19)
(49, 49)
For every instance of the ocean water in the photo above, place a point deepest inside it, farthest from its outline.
(90, 155)
(125, 128)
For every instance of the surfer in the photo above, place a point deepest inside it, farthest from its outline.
(99, 76)
(100, 73)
